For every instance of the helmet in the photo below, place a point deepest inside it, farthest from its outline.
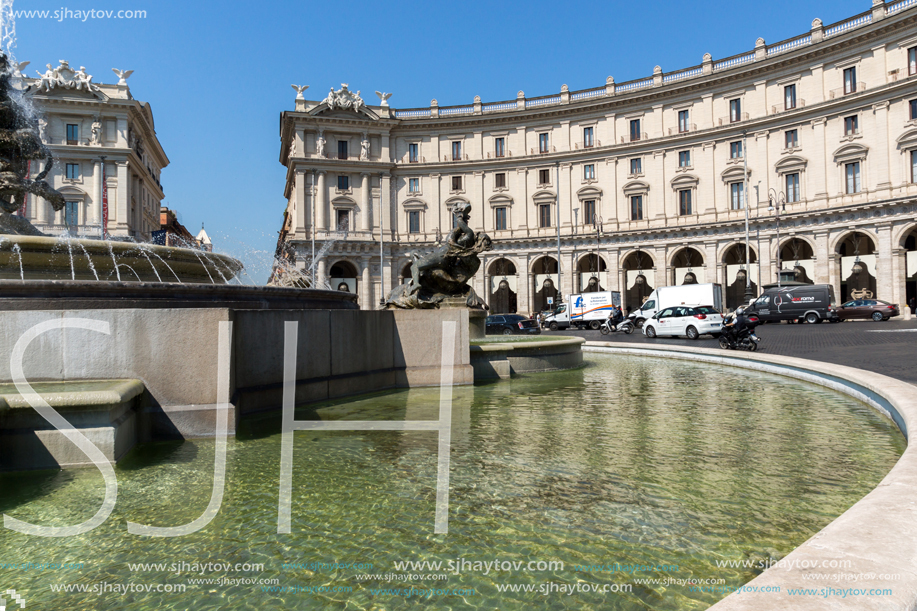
(740, 310)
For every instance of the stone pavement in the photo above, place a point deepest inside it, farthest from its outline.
(889, 348)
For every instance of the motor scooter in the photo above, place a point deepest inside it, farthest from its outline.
(746, 339)
(626, 326)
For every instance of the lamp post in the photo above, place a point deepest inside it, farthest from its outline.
(597, 221)
(777, 201)
(560, 278)
(381, 245)
(748, 294)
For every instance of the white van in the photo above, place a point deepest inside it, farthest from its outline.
(682, 295)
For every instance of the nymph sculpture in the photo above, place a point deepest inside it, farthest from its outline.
(444, 273)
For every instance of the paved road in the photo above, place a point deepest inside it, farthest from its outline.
(889, 347)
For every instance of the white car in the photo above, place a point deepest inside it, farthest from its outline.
(691, 321)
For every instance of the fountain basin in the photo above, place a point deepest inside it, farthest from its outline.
(49, 258)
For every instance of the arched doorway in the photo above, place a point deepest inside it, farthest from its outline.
(343, 277)
(544, 283)
(910, 271)
(737, 274)
(858, 266)
(797, 255)
(591, 274)
(639, 279)
(503, 297)
(688, 267)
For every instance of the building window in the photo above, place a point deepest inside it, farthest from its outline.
(912, 60)
(544, 215)
(684, 159)
(500, 180)
(735, 150)
(343, 183)
(589, 172)
(72, 214)
(792, 138)
(589, 212)
(588, 137)
(342, 149)
(499, 147)
(73, 134)
(851, 125)
(850, 80)
(684, 202)
(789, 97)
(544, 177)
(792, 187)
(852, 171)
(414, 221)
(543, 143)
(684, 117)
(500, 218)
(413, 151)
(913, 105)
(736, 196)
(343, 220)
(735, 110)
(635, 130)
(456, 183)
(914, 166)
(414, 185)
(73, 171)
(636, 166)
(456, 151)
(636, 208)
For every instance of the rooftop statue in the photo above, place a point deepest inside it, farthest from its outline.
(20, 143)
(445, 272)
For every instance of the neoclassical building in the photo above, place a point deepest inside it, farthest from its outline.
(633, 185)
(90, 127)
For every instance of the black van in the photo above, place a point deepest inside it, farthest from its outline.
(809, 302)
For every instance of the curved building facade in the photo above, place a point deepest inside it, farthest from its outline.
(633, 185)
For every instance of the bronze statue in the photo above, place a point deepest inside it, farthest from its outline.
(445, 272)
(19, 143)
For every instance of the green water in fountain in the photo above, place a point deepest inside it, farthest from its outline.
(628, 460)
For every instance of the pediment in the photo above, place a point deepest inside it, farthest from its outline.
(589, 191)
(500, 199)
(791, 162)
(734, 173)
(684, 180)
(339, 113)
(544, 196)
(908, 138)
(414, 204)
(849, 151)
(637, 186)
(61, 93)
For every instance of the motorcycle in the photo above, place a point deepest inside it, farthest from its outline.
(746, 339)
(626, 325)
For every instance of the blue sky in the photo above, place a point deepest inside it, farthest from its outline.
(218, 74)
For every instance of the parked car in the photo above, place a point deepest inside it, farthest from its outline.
(867, 308)
(692, 322)
(510, 324)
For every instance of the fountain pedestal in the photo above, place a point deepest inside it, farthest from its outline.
(476, 318)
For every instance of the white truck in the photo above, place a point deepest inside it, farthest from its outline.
(581, 311)
(685, 294)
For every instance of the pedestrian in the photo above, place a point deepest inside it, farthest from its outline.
(913, 305)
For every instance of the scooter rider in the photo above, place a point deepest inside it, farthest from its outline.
(736, 322)
(615, 317)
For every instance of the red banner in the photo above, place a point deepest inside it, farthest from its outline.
(104, 205)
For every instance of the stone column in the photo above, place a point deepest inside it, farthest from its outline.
(366, 192)
(96, 215)
(322, 275)
(569, 272)
(366, 287)
(879, 162)
(321, 202)
(885, 281)
(119, 204)
(817, 173)
(301, 203)
(826, 263)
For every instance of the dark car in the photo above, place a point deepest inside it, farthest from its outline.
(864, 309)
(509, 324)
(812, 303)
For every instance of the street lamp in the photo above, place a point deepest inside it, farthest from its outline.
(597, 221)
(777, 202)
